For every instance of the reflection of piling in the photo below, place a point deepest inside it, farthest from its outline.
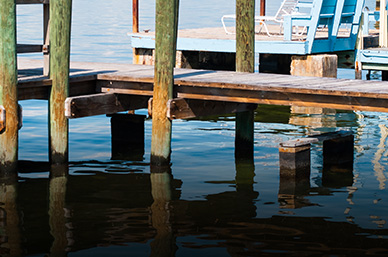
(127, 137)
(10, 237)
(245, 62)
(8, 86)
(60, 24)
(57, 218)
(163, 244)
(245, 173)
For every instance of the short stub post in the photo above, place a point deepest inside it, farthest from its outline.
(294, 159)
(338, 157)
(127, 136)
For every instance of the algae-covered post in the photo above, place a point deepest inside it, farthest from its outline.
(60, 26)
(8, 87)
(245, 62)
(165, 48)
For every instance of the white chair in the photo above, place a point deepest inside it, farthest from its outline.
(286, 8)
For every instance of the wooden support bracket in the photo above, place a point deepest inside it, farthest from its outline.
(104, 103)
(3, 118)
(179, 108)
(20, 116)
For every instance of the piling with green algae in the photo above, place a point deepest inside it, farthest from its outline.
(60, 28)
(165, 48)
(8, 87)
(245, 62)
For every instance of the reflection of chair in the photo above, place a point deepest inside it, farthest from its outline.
(286, 8)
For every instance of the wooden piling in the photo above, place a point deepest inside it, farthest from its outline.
(245, 62)
(8, 87)
(262, 7)
(60, 27)
(135, 16)
(165, 48)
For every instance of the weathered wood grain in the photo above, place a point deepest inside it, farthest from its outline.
(165, 49)
(32, 1)
(29, 48)
(104, 103)
(60, 26)
(8, 87)
(180, 108)
(245, 62)
(3, 120)
(226, 86)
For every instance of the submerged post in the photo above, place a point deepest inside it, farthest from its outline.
(165, 48)
(245, 62)
(8, 87)
(60, 26)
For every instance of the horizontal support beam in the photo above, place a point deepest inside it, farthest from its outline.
(29, 48)
(104, 103)
(180, 108)
(287, 98)
(38, 87)
(32, 1)
(121, 87)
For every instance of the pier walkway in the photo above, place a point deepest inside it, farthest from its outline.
(100, 88)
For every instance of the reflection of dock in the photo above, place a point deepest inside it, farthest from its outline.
(146, 209)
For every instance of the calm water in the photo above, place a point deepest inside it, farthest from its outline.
(211, 205)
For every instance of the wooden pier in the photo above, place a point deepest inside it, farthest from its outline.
(83, 89)
(91, 81)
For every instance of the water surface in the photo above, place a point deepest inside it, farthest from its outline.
(208, 204)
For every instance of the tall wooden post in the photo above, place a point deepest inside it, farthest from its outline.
(245, 62)
(8, 87)
(135, 16)
(60, 26)
(165, 47)
(262, 7)
(383, 37)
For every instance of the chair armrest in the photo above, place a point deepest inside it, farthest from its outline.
(294, 20)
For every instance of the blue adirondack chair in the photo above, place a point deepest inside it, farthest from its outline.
(331, 14)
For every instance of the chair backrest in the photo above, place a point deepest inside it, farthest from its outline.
(287, 7)
(333, 14)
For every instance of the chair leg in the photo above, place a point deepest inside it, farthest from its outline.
(224, 26)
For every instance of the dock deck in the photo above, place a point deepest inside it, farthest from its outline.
(217, 40)
(97, 80)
